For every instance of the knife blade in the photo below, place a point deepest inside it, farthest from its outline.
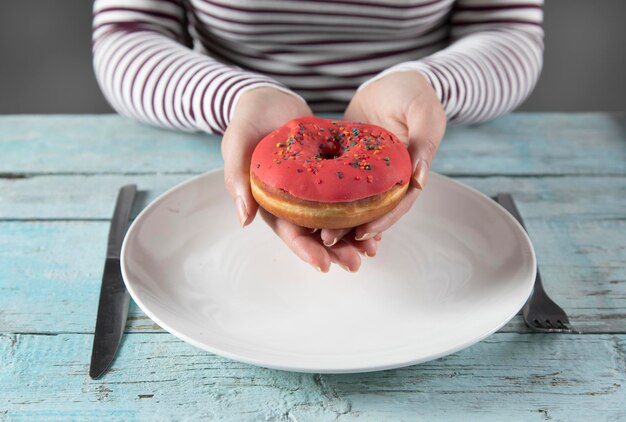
(114, 298)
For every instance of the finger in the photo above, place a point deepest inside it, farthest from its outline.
(237, 147)
(369, 230)
(331, 236)
(299, 240)
(346, 256)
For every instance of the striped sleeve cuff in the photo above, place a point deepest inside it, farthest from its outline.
(411, 67)
(481, 76)
(258, 84)
(215, 99)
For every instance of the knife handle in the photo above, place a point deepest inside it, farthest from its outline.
(119, 223)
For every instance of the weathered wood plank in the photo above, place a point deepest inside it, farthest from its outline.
(100, 144)
(157, 377)
(516, 144)
(93, 196)
(57, 266)
(76, 196)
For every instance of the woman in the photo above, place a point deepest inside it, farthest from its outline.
(243, 68)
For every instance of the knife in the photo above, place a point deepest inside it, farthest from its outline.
(114, 298)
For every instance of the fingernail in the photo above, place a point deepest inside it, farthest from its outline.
(241, 211)
(346, 268)
(420, 174)
(318, 268)
(331, 243)
(364, 236)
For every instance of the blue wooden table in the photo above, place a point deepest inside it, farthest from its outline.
(59, 177)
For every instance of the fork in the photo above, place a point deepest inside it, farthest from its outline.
(540, 312)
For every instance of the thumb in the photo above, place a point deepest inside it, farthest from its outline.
(354, 112)
(425, 132)
(237, 146)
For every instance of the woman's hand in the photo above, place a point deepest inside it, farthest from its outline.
(406, 104)
(258, 112)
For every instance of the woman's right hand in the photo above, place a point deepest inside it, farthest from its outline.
(257, 113)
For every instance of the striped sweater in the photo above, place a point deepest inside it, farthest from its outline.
(184, 63)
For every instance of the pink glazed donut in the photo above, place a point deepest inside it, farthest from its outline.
(322, 173)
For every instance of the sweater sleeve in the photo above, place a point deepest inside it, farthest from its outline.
(492, 63)
(147, 70)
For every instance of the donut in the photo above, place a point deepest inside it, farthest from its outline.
(329, 174)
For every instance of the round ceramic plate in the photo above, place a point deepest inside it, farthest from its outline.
(455, 269)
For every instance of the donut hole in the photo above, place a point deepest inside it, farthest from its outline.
(330, 149)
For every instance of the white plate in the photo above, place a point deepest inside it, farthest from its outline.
(455, 269)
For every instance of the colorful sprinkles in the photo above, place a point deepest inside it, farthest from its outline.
(362, 149)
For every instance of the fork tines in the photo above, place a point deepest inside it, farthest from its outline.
(552, 327)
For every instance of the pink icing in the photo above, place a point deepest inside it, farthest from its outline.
(327, 160)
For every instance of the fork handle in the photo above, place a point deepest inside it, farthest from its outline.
(538, 294)
(506, 200)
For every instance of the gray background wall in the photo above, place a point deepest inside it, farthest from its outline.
(45, 57)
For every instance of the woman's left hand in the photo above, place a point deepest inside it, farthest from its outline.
(406, 104)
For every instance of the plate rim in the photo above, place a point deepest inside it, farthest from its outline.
(312, 368)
